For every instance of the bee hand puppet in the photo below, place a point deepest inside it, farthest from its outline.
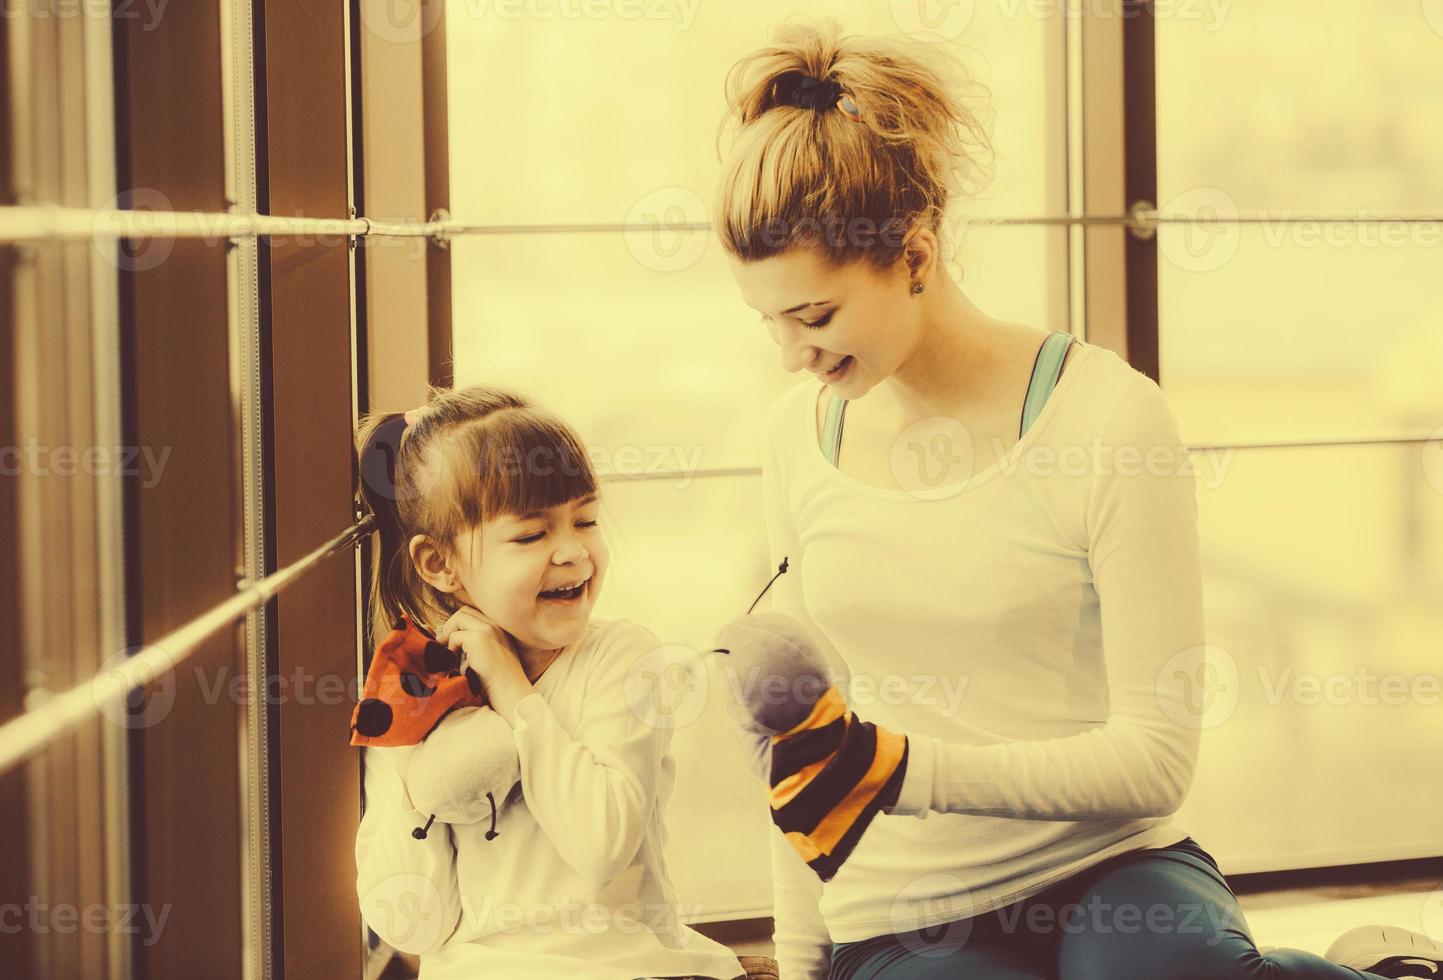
(829, 773)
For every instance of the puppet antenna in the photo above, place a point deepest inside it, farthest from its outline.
(780, 570)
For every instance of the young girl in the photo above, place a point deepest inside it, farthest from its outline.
(490, 539)
(954, 531)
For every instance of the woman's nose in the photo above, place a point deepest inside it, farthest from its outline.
(796, 353)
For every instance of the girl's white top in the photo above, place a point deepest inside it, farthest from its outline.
(1035, 629)
(575, 885)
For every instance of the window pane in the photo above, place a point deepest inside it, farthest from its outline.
(685, 559)
(631, 99)
(1323, 643)
(1329, 105)
(1281, 334)
(644, 344)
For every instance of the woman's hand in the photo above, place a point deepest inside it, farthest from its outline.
(487, 649)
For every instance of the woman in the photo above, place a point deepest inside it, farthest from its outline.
(1016, 563)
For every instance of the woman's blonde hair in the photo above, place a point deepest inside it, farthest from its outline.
(473, 454)
(852, 188)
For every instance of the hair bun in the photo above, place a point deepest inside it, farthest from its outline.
(902, 143)
(805, 91)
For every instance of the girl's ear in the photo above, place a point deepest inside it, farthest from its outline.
(431, 565)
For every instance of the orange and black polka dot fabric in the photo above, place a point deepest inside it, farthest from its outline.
(413, 683)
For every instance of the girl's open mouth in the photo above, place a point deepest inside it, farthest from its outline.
(565, 595)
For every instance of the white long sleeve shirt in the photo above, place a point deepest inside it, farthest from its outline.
(1033, 631)
(576, 884)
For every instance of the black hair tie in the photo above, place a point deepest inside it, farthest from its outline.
(806, 92)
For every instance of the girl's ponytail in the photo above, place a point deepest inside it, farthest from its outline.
(380, 440)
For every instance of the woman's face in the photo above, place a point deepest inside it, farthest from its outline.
(519, 557)
(824, 316)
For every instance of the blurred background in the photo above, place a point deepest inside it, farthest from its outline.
(1244, 200)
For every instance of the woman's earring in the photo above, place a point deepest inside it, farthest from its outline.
(917, 288)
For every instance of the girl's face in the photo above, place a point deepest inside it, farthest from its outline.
(524, 559)
(822, 317)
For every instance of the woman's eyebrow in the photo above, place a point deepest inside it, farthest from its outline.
(803, 306)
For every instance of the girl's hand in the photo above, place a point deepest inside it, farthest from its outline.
(487, 649)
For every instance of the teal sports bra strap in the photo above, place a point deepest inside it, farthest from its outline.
(1045, 372)
(832, 428)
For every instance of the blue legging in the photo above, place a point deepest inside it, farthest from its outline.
(1163, 913)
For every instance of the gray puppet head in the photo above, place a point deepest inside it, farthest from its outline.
(775, 671)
